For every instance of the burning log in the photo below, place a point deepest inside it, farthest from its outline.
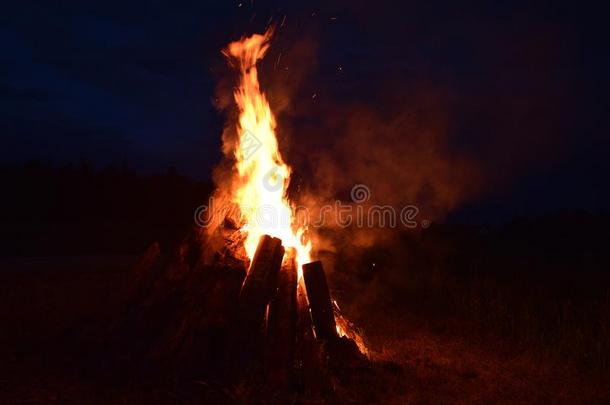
(260, 282)
(256, 292)
(312, 376)
(281, 327)
(319, 301)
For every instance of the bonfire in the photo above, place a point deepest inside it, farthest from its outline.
(243, 299)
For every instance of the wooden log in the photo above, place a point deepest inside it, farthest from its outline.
(222, 313)
(281, 328)
(144, 273)
(259, 286)
(256, 292)
(223, 298)
(179, 341)
(141, 283)
(201, 335)
(319, 301)
(311, 375)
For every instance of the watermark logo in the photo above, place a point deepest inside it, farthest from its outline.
(360, 193)
(273, 181)
(337, 214)
(249, 144)
(202, 219)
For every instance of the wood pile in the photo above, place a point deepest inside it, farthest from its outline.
(211, 315)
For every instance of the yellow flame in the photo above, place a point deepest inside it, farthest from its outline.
(261, 191)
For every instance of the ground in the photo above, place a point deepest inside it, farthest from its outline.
(449, 369)
(45, 301)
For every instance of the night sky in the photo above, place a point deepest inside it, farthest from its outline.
(523, 86)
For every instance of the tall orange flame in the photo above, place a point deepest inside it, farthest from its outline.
(261, 191)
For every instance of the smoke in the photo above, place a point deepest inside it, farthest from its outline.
(403, 157)
(397, 141)
(395, 144)
(413, 140)
(419, 116)
(417, 136)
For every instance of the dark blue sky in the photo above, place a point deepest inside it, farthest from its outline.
(524, 84)
(111, 82)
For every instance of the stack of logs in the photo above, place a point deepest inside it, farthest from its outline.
(295, 321)
(260, 327)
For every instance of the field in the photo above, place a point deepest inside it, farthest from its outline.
(451, 315)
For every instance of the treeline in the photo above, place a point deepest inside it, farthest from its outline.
(48, 209)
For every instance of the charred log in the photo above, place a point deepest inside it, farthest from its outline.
(311, 375)
(319, 301)
(259, 286)
(258, 289)
(281, 327)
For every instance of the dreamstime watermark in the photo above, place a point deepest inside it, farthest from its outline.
(273, 181)
(339, 213)
(249, 144)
